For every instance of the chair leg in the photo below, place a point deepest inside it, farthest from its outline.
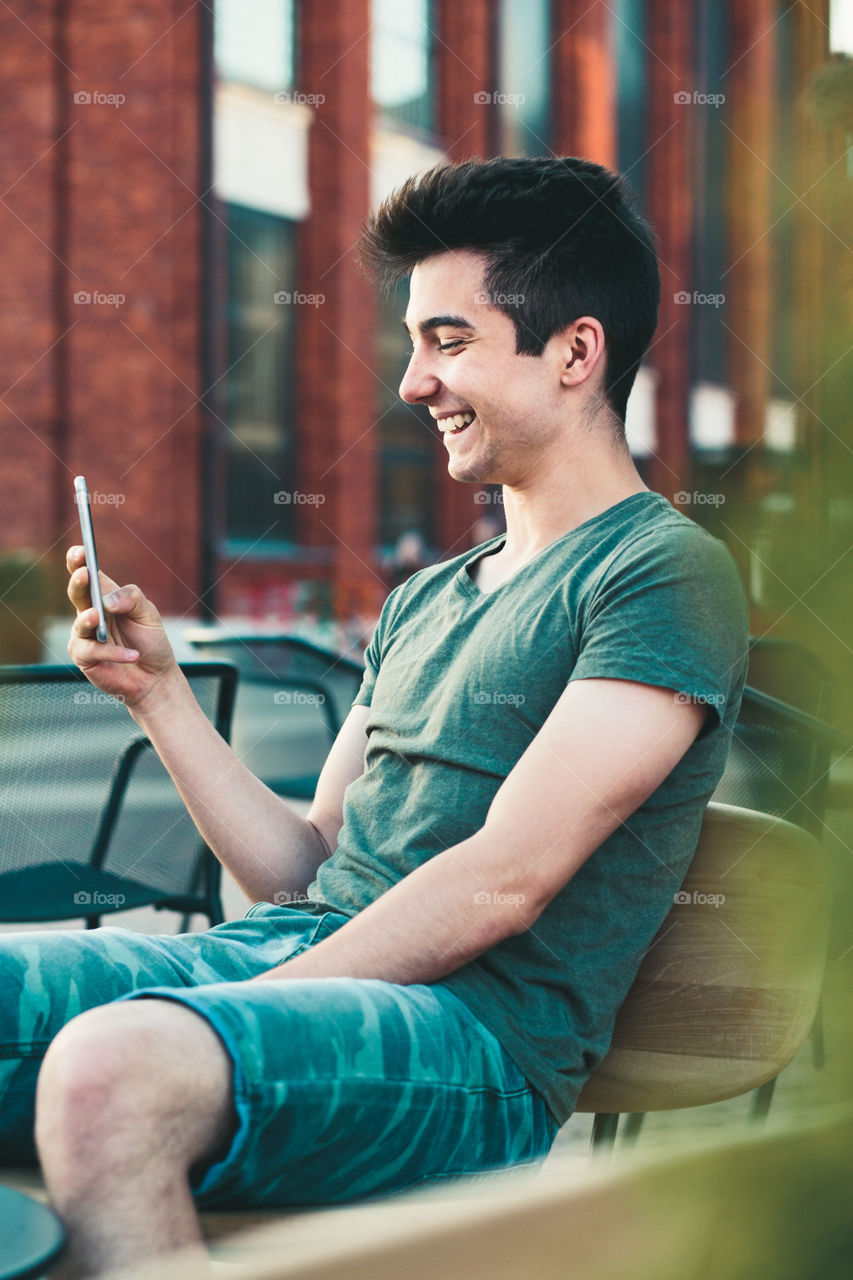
(761, 1099)
(604, 1126)
(632, 1126)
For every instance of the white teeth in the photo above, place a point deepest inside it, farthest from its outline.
(456, 421)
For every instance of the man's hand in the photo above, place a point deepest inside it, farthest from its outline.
(137, 654)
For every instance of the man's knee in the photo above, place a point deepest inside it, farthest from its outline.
(125, 1081)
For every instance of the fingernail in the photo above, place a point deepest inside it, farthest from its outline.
(110, 601)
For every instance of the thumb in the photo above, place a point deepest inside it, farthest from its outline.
(130, 601)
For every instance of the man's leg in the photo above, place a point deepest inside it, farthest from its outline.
(295, 1092)
(130, 1097)
(48, 978)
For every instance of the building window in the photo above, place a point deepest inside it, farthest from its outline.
(407, 445)
(523, 89)
(253, 42)
(259, 379)
(629, 27)
(402, 72)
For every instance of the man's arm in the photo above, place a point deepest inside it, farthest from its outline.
(265, 845)
(604, 749)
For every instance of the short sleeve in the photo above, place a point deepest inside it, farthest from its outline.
(671, 611)
(371, 670)
(372, 654)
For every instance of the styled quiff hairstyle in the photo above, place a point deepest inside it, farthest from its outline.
(562, 234)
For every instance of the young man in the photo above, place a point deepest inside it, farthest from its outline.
(500, 827)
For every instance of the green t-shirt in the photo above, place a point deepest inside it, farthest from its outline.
(459, 682)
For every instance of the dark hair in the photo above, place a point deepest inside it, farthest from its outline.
(562, 233)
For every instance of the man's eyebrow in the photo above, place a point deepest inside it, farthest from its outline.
(440, 322)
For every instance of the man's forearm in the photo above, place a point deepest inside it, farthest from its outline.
(266, 846)
(441, 916)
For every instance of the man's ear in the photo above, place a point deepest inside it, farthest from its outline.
(581, 350)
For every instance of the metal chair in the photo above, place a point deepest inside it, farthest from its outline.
(92, 822)
(292, 700)
(779, 761)
(787, 670)
(728, 990)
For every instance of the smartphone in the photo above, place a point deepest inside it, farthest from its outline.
(81, 497)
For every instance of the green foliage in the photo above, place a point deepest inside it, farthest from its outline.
(30, 591)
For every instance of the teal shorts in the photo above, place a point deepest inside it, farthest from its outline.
(344, 1088)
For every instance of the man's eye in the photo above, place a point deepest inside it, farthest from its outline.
(448, 346)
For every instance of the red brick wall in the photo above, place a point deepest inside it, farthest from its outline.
(670, 209)
(28, 269)
(750, 92)
(466, 57)
(113, 206)
(336, 403)
(583, 81)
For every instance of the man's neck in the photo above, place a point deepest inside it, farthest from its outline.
(557, 501)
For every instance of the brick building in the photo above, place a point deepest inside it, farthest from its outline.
(184, 322)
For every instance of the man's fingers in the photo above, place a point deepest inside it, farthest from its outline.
(78, 586)
(78, 589)
(120, 599)
(86, 652)
(74, 557)
(85, 623)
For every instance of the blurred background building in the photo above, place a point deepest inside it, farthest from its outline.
(184, 322)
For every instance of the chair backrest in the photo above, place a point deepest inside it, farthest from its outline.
(293, 698)
(728, 990)
(86, 802)
(279, 656)
(779, 761)
(787, 670)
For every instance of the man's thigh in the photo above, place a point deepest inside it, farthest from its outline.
(48, 977)
(346, 1088)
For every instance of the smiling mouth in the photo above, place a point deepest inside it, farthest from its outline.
(455, 423)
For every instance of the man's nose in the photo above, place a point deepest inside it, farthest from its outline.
(419, 383)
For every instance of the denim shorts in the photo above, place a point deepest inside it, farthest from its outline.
(344, 1088)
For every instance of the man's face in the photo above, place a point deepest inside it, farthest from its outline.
(464, 362)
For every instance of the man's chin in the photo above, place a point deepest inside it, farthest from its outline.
(470, 473)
